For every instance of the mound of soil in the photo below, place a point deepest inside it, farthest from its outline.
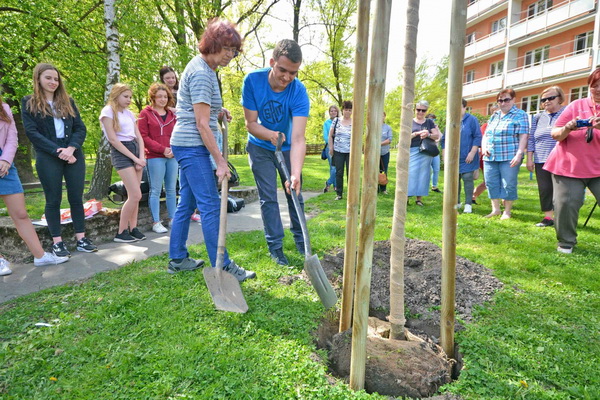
(418, 367)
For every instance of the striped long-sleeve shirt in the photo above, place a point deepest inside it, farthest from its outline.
(540, 140)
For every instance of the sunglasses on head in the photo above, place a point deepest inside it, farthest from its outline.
(507, 100)
(549, 98)
(421, 110)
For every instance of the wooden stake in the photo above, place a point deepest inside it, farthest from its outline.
(452, 149)
(379, 50)
(358, 121)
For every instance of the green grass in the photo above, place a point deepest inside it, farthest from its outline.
(137, 333)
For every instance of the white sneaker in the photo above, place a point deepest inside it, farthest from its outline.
(564, 249)
(4, 267)
(49, 259)
(159, 228)
(468, 209)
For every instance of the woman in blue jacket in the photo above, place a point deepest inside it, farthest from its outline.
(54, 127)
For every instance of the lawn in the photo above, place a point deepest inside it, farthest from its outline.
(138, 333)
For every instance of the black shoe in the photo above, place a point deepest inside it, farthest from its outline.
(545, 222)
(474, 202)
(60, 250)
(435, 189)
(135, 232)
(279, 257)
(124, 237)
(86, 245)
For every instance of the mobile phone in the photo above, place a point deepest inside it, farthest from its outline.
(584, 122)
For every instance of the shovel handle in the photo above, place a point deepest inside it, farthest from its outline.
(301, 216)
(223, 212)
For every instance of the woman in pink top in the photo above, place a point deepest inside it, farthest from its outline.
(574, 162)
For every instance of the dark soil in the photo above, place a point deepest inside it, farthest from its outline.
(475, 285)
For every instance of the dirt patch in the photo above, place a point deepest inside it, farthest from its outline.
(475, 285)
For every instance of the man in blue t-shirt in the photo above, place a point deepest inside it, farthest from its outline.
(274, 101)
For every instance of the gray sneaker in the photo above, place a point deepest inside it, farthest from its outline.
(240, 273)
(187, 264)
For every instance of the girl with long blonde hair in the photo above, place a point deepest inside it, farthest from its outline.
(127, 156)
(54, 127)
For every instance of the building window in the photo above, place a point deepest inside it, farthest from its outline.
(470, 76)
(470, 38)
(497, 68)
(530, 105)
(583, 42)
(537, 56)
(538, 8)
(578, 93)
(499, 25)
(472, 1)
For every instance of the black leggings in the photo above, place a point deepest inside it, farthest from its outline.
(340, 159)
(51, 171)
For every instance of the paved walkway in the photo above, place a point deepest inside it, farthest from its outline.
(26, 278)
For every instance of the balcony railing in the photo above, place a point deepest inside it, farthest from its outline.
(486, 43)
(554, 67)
(480, 6)
(483, 85)
(555, 15)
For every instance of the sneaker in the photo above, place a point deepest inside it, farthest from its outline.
(468, 209)
(564, 249)
(4, 267)
(86, 245)
(187, 264)
(124, 237)
(159, 228)
(49, 259)
(545, 222)
(195, 217)
(60, 250)
(338, 197)
(279, 257)
(301, 248)
(436, 189)
(326, 188)
(135, 232)
(240, 273)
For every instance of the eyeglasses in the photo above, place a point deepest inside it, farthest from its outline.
(549, 98)
(420, 110)
(507, 100)
(232, 50)
(589, 134)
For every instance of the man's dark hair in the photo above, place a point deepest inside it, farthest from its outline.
(289, 49)
(464, 102)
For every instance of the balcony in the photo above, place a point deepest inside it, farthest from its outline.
(486, 43)
(488, 84)
(481, 6)
(562, 65)
(559, 13)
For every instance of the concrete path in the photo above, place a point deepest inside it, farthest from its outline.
(26, 278)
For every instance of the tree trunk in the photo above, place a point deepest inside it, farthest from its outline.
(397, 238)
(103, 169)
(296, 27)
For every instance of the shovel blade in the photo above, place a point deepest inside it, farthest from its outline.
(225, 290)
(319, 280)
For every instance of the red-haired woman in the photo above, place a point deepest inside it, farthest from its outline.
(574, 162)
(156, 123)
(11, 192)
(54, 127)
(194, 140)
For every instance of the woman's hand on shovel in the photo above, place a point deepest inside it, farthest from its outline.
(295, 185)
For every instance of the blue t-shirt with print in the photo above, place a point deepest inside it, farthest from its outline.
(276, 110)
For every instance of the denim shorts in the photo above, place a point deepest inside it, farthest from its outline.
(10, 184)
(121, 161)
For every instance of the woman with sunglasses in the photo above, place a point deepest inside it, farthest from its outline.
(574, 162)
(419, 164)
(503, 149)
(539, 146)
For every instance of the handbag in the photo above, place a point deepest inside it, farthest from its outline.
(429, 147)
(324, 153)
(382, 179)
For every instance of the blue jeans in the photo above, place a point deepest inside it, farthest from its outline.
(331, 180)
(435, 175)
(265, 168)
(197, 189)
(162, 170)
(501, 179)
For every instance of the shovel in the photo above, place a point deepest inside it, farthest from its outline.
(224, 288)
(312, 265)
